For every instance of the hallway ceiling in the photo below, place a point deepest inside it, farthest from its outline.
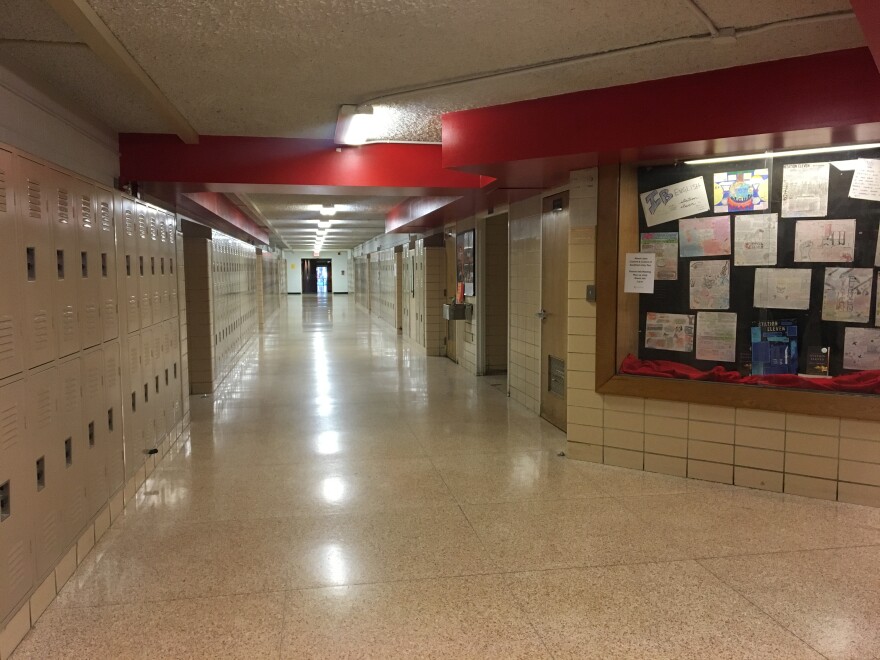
(273, 68)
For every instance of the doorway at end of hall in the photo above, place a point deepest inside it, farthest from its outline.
(317, 276)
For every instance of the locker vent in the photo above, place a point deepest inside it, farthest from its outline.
(8, 427)
(142, 225)
(556, 380)
(41, 328)
(85, 209)
(71, 394)
(68, 321)
(7, 339)
(45, 408)
(106, 218)
(18, 567)
(3, 191)
(128, 222)
(50, 533)
(34, 199)
(63, 206)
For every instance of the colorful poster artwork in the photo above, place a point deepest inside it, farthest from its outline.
(464, 248)
(704, 237)
(861, 349)
(824, 241)
(716, 336)
(746, 190)
(755, 239)
(774, 347)
(847, 295)
(679, 200)
(805, 190)
(665, 246)
(710, 284)
(782, 288)
(670, 332)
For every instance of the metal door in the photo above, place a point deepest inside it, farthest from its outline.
(10, 274)
(108, 274)
(68, 261)
(554, 308)
(89, 290)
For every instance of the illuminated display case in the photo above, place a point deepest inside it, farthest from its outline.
(765, 283)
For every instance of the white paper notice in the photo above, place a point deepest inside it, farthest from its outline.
(640, 272)
(861, 348)
(755, 239)
(782, 288)
(679, 200)
(824, 241)
(805, 190)
(866, 180)
(716, 336)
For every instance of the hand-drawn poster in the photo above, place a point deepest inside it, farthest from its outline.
(861, 349)
(782, 288)
(716, 336)
(847, 295)
(670, 332)
(737, 192)
(704, 237)
(774, 347)
(866, 180)
(755, 239)
(805, 190)
(824, 241)
(710, 284)
(665, 246)
(679, 200)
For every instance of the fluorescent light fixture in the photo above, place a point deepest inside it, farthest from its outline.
(323, 224)
(329, 210)
(774, 154)
(355, 125)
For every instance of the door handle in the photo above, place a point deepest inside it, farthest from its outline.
(541, 314)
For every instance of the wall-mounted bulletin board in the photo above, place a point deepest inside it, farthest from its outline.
(767, 272)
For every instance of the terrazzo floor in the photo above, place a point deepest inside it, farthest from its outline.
(341, 496)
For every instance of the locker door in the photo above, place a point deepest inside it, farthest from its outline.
(171, 258)
(129, 266)
(72, 447)
(47, 463)
(67, 262)
(148, 421)
(162, 269)
(155, 292)
(17, 494)
(94, 429)
(10, 274)
(107, 265)
(143, 266)
(133, 406)
(157, 383)
(37, 262)
(115, 459)
(90, 265)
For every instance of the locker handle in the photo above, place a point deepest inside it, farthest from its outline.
(5, 502)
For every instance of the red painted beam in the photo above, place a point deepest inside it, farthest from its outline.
(868, 13)
(837, 93)
(225, 215)
(258, 162)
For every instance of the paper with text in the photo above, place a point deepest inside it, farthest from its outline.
(716, 336)
(866, 180)
(670, 332)
(710, 284)
(755, 239)
(861, 349)
(805, 190)
(782, 288)
(665, 246)
(847, 294)
(679, 200)
(704, 237)
(824, 241)
(639, 272)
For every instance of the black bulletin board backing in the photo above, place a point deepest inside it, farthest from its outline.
(672, 296)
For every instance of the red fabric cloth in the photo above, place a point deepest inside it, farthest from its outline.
(861, 382)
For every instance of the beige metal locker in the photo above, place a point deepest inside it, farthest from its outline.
(38, 261)
(148, 413)
(133, 405)
(153, 265)
(10, 274)
(47, 464)
(112, 418)
(171, 259)
(143, 266)
(67, 262)
(17, 490)
(109, 287)
(162, 268)
(94, 429)
(89, 293)
(73, 447)
(129, 265)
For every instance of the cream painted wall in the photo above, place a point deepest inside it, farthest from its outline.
(340, 265)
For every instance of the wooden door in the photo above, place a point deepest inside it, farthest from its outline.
(554, 308)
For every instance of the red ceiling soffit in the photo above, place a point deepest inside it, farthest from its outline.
(838, 90)
(216, 211)
(868, 13)
(260, 162)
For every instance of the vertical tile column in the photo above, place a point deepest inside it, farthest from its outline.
(199, 313)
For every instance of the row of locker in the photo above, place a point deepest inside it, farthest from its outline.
(57, 264)
(148, 251)
(61, 457)
(234, 290)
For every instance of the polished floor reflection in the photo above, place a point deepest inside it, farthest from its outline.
(340, 496)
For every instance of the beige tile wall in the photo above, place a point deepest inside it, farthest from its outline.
(815, 456)
(496, 255)
(523, 367)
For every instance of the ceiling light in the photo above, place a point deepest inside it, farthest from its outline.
(323, 224)
(329, 210)
(774, 154)
(355, 125)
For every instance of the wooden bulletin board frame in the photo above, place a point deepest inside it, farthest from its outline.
(618, 325)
